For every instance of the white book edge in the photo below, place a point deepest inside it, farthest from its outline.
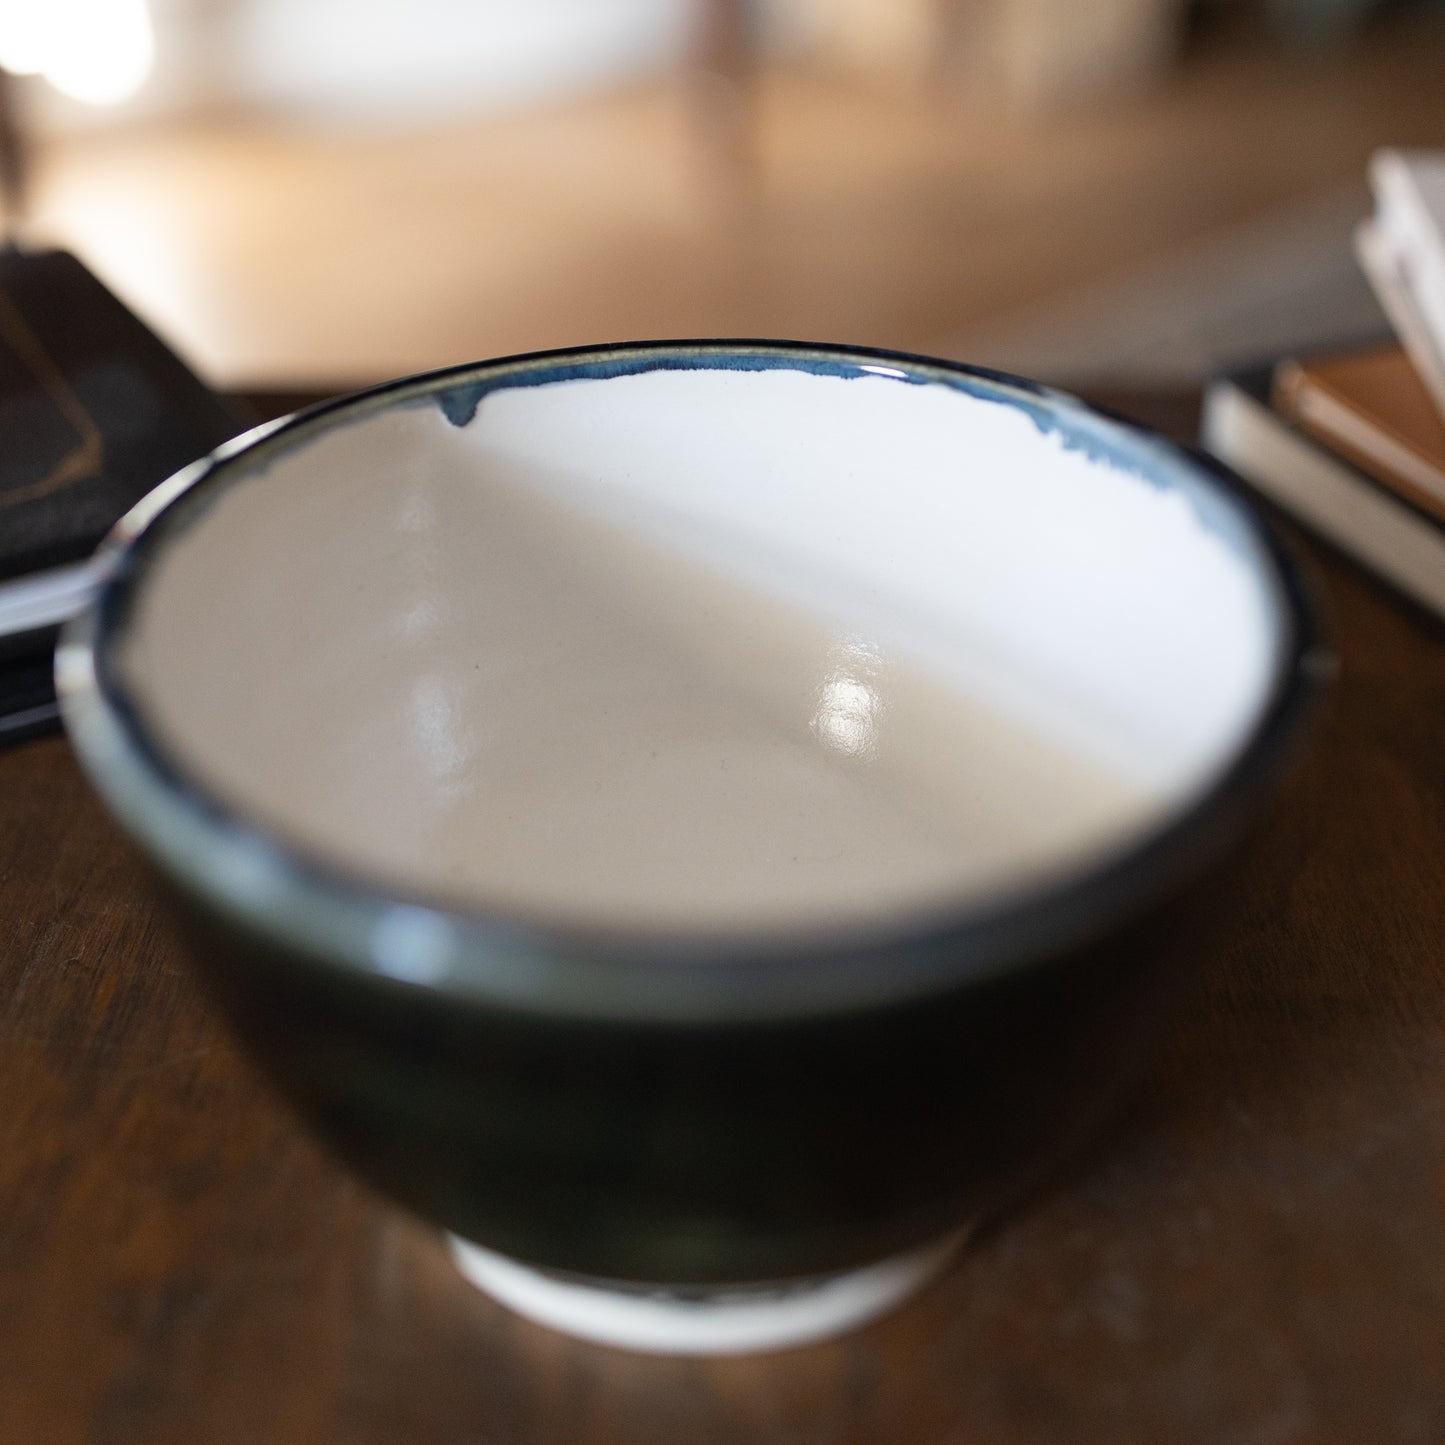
(1381, 266)
(1340, 503)
(45, 599)
(1409, 188)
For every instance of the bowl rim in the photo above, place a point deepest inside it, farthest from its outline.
(327, 916)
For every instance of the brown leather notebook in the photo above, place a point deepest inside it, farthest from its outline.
(1372, 408)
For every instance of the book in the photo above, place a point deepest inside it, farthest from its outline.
(95, 410)
(1371, 407)
(1385, 273)
(1402, 251)
(1400, 542)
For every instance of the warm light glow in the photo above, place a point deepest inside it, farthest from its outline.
(96, 51)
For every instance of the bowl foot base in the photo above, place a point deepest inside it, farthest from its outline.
(703, 1320)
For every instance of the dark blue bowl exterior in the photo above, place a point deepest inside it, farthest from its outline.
(667, 1152)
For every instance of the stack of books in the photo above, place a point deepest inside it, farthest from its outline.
(1353, 442)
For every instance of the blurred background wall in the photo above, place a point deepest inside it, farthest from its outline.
(327, 192)
(379, 61)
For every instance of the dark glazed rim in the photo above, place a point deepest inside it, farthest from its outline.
(335, 919)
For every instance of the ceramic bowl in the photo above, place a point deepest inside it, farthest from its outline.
(674, 1108)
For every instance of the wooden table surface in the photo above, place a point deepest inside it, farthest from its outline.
(1255, 1254)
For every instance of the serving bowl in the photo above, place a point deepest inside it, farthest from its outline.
(423, 703)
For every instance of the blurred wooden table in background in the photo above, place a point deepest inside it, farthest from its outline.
(1257, 1253)
(269, 250)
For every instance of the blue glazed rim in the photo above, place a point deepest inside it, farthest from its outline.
(347, 924)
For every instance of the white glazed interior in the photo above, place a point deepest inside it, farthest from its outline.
(1090, 601)
(312, 616)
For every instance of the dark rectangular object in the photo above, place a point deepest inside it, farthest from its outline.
(95, 410)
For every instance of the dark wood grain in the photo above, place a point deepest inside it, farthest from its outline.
(1256, 1254)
